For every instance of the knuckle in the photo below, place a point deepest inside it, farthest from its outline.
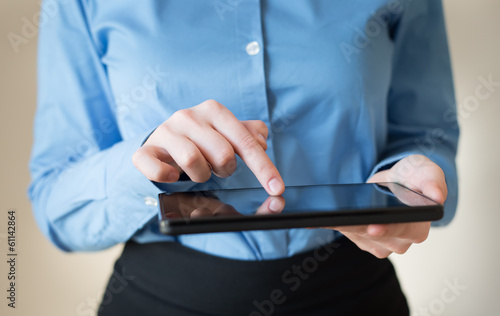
(378, 251)
(364, 247)
(158, 135)
(183, 115)
(421, 238)
(262, 127)
(224, 157)
(201, 177)
(257, 126)
(137, 157)
(420, 157)
(400, 249)
(439, 171)
(381, 254)
(162, 129)
(212, 105)
(141, 160)
(188, 160)
(248, 143)
(368, 247)
(265, 169)
(156, 175)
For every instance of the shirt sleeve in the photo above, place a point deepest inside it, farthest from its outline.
(421, 102)
(85, 192)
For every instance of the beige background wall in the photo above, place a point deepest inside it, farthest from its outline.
(54, 283)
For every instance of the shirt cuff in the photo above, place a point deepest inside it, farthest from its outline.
(135, 213)
(134, 197)
(388, 162)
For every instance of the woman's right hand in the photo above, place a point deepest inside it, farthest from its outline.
(204, 139)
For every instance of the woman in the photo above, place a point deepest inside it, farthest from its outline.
(136, 98)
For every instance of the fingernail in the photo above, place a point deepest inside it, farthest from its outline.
(275, 205)
(262, 137)
(275, 185)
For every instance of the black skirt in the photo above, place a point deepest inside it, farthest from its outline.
(170, 279)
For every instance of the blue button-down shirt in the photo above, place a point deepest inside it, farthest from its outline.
(345, 87)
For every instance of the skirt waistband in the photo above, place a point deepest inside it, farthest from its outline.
(171, 279)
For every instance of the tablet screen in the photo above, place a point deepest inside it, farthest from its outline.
(188, 208)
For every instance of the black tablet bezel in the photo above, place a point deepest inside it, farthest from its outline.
(338, 217)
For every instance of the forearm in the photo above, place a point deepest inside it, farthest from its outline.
(93, 203)
(421, 102)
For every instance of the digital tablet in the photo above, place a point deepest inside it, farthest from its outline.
(300, 206)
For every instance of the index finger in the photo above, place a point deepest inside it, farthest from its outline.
(249, 149)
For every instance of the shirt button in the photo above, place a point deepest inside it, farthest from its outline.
(253, 48)
(150, 201)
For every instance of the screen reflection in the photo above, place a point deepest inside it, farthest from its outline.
(311, 199)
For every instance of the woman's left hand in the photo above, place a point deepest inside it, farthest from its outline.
(418, 173)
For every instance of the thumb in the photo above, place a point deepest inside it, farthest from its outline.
(381, 176)
(435, 191)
